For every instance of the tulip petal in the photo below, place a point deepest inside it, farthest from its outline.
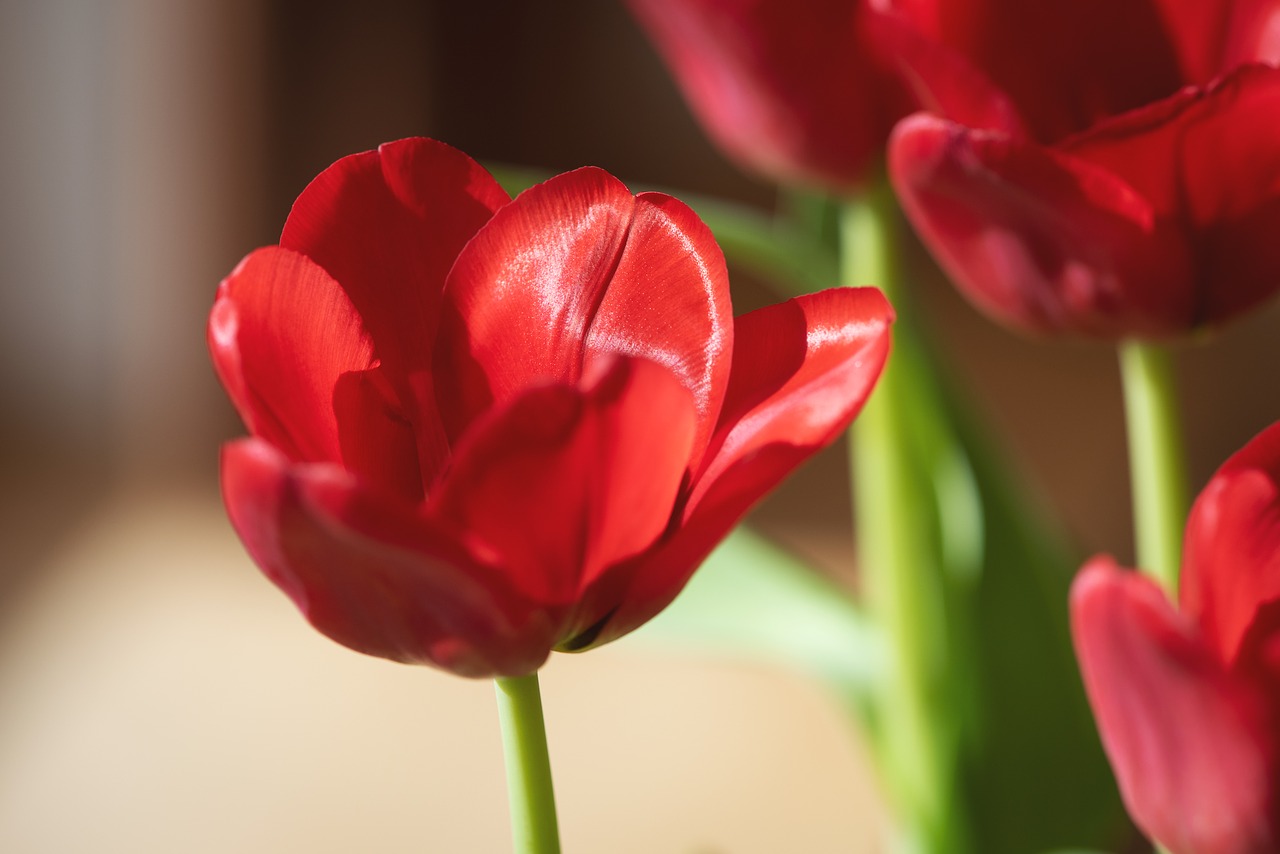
(372, 574)
(801, 372)
(387, 225)
(1192, 760)
(794, 91)
(282, 333)
(942, 81)
(1231, 569)
(1211, 159)
(1043, 241)
(1065, 63)
(1212, 38)
(561, 482)
(573, 269)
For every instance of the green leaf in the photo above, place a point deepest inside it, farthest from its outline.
(752, 600)
(1033, 772)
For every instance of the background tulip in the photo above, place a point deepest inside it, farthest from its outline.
(1119, 182)
(1188, 700)
(485, 430)
(797, 92)
(1060, 174)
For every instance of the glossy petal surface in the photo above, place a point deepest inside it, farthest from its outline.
(1186, 739)
(801, 372)
(575, 268)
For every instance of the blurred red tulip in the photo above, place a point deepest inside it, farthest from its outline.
(1093, 167)
(793, 91)
(1188, 701)
(484, 429)
(1129, 182)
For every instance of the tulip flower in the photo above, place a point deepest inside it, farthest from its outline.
(794, 91)
(1088, 167)
(484, 429)
(1112, 181)
(1187, 699)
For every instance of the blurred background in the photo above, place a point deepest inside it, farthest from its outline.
(156, 694)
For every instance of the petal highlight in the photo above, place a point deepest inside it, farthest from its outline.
(575, 269)
(801, 372)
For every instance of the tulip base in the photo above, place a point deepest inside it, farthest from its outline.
(534, 828)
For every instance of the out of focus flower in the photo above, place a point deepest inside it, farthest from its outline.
(1188, 700)
(794, 91)
(484, 429)
(1105, 179)
(1085, 166)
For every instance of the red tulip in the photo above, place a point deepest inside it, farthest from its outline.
(1188, 701)
(1109, 181)
(794, 91)
(485, 429)
(1064, 174)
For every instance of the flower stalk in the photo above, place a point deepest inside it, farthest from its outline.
(1157, 460)
(534, 828)
(894, 559)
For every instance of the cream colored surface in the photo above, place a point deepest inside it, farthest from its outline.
(158, 695)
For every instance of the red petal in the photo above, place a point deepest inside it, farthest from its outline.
(387, 225)
(575, 268)
(378, 444)
(942, 81)
(1253, 34)
(801, 372)
(1194, 765)
(562, 482)
(1211, 160)
(374, 576)
(1232, 565)
(282, 333)
(1042, 241)
(1213, 38)
(792, 90)
(1064, 63)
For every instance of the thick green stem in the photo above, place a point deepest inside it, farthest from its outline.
(1157, 460)
(897, 568)
(524, 739)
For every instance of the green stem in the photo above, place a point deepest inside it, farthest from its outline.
(897, 569)
(524, 740)
(1157, 460)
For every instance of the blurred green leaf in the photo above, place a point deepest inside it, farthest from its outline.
(752, 600)
(1032, 772)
